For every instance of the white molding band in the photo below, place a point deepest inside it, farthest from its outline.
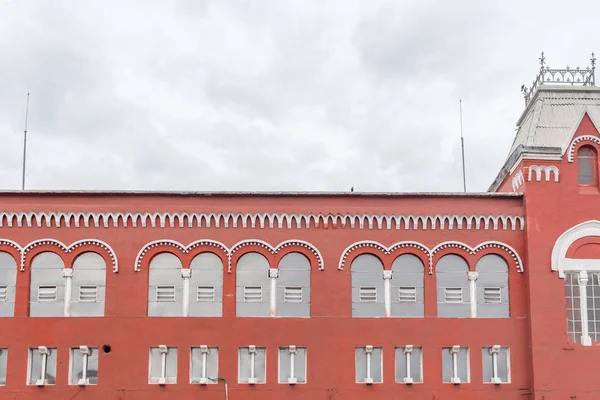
(40, 219)
(576, 141)
(547, 171)
(430, 253)
(229, 252)
(68, 249)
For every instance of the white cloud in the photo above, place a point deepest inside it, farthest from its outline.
(294, 95)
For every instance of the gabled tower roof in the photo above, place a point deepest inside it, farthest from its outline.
(554, 107)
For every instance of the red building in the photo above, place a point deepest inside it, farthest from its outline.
(319, 295)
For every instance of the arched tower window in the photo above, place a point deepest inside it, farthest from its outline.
(293, 286)
(587, 166)
(165, 291)
(492, 287)
(407, 286)
(8, 281)
(253, 286)
(453, 288)
(367, 287)
(47, 287)
(88, 285)
(206, 286)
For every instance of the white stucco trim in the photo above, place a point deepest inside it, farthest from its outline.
(560, 263)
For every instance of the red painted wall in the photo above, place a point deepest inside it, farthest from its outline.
(330, 335)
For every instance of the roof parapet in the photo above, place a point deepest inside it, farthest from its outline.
(568, 76)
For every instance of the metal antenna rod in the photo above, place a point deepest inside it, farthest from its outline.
(462, 145)
(25, 143)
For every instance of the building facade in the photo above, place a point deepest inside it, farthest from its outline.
(318, 295)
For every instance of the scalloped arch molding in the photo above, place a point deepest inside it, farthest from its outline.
(431, 252)
(258, 220)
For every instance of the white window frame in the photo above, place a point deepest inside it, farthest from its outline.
(407, 351)
(368, 349)
(204, 379)
(84, 352)
(252, 350)
(293, 350)
(43, 351)
(494, 351)
(454, 350)
(4, 354)
(162, 380)
(582, 276)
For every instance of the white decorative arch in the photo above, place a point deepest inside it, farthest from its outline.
(559, 262)
(384, 249)
(546, 170)
(518, 180)
(274, 250)
(481, 246)
(70, 248)
(576, 141)
(183, 248)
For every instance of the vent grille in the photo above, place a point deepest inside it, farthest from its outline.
(205, 294)
(407, 294)
(46, 294)
(492, 295)
(368, 294)
(292, 294)
(3, 293)
(88, 294)
(252, 294)
(453, 295)
(165, 294)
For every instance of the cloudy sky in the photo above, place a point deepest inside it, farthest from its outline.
(273, 95)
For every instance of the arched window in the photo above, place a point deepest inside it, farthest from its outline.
(253, 286)
(367, 287)
(8, 282)
(407, 286)
(453, 287)
(47, 289)
(206, 286)
(88, 285)
(165, 290)
(492, 287)
(587, 164)
(293, 286)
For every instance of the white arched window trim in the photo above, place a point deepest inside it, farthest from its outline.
(581, 267)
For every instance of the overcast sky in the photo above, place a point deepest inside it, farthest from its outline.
(273, 95)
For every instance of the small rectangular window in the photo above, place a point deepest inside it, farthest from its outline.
(368, 294)
(3, 293)
(88, 294)
(252, 365)
(407, 294)
(492, 295)
(453, 295)
(409, 365)
(46, 294)
(84, 366)
(163, 365)
(165, 294)
(252, 294)
(205, 365)
(292, 365)
(3, 362)
(369, 365)
(205, 294)
(455, 365)
(496, 364)
(42, 366)
(292, 294)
